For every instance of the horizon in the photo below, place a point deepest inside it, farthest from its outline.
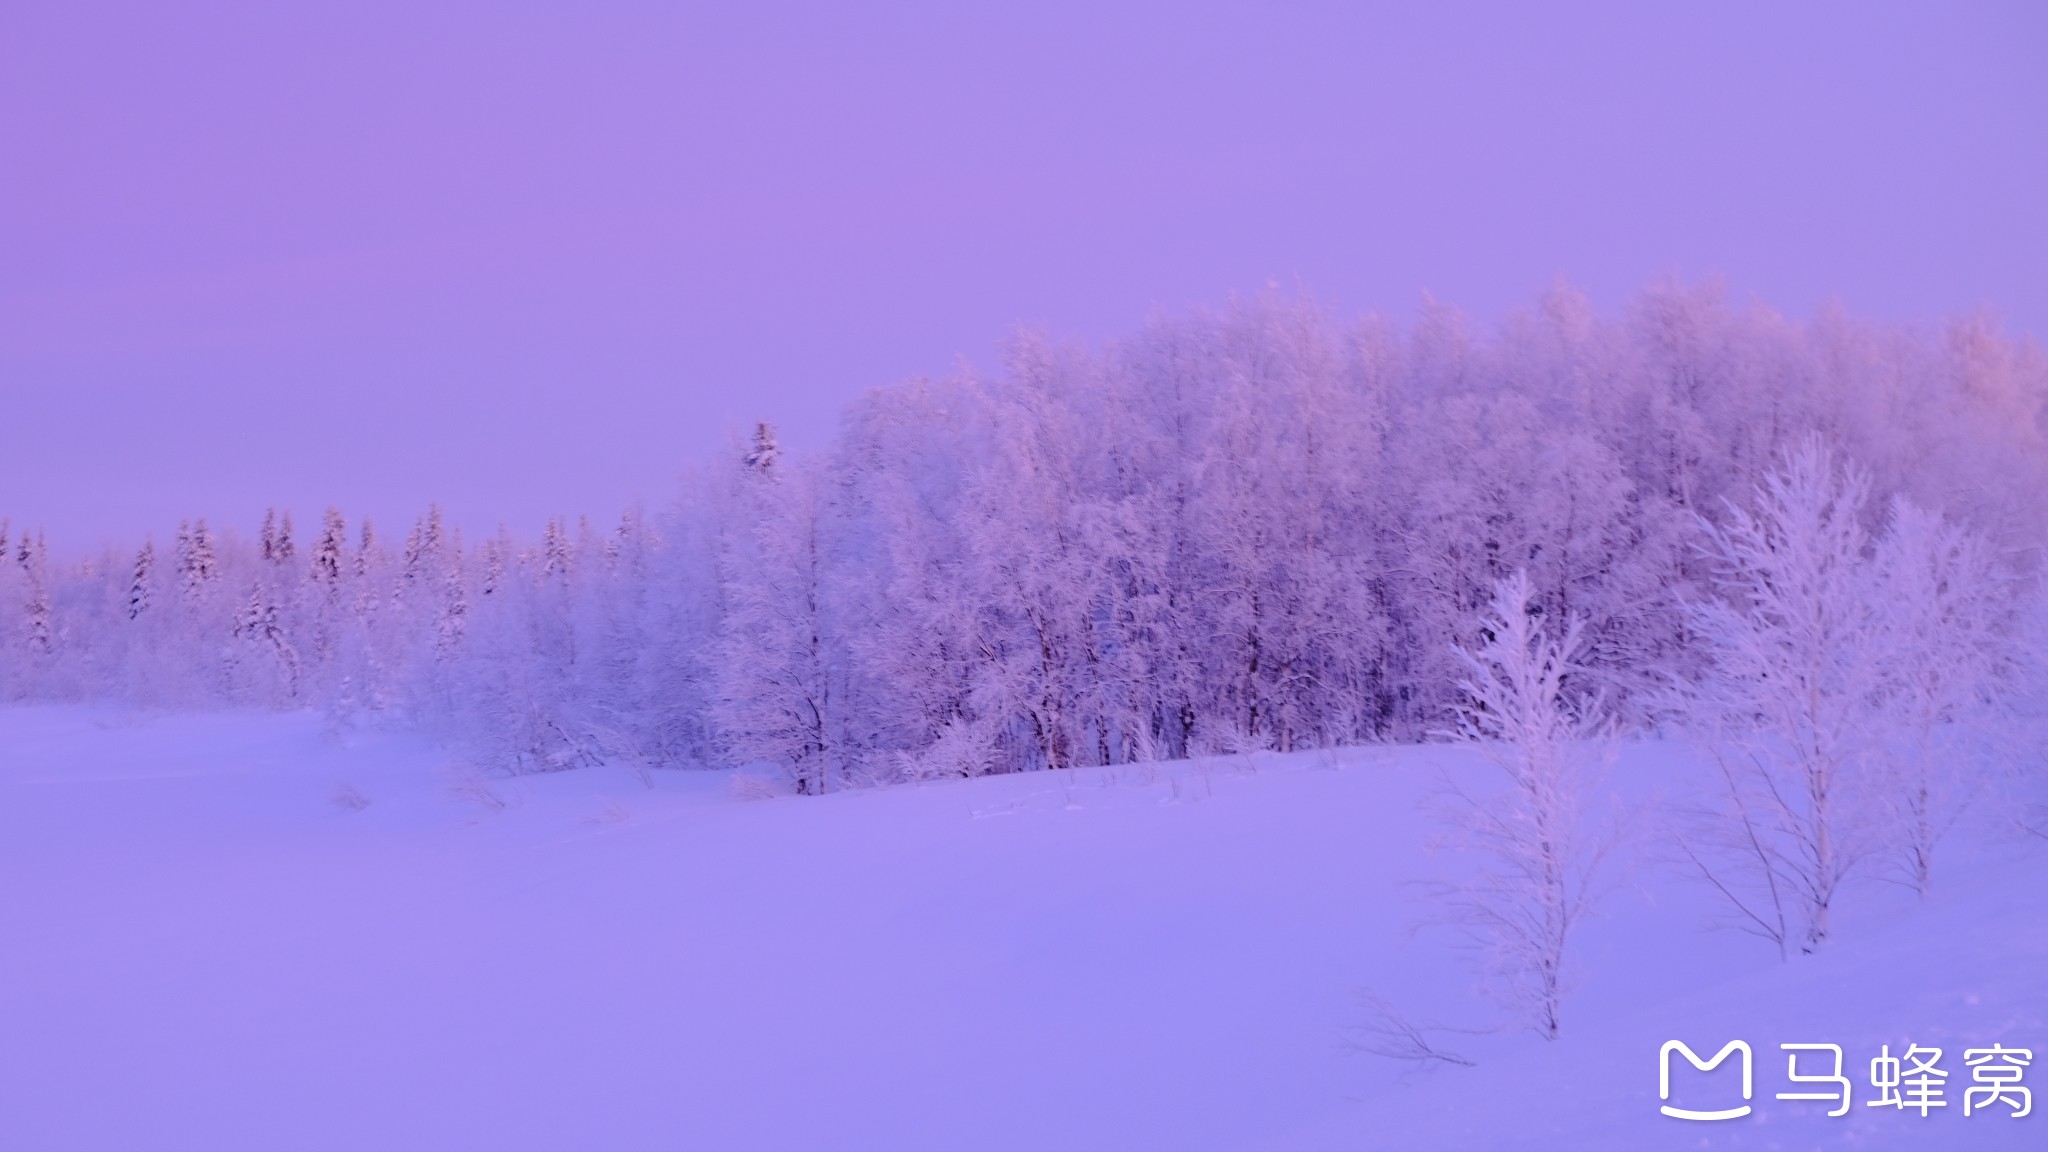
(394, 518)
(527, 265)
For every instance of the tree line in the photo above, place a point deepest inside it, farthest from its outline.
(1262, 526)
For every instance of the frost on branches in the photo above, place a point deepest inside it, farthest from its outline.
(1847, 688)
(1541, 841)
(1253, 528)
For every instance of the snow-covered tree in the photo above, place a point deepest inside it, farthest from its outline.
(1034, 576)
(1946, 615)
(451, 621)
(1246, 527)
(141, 577)
(905, 462)
(1796, 649)
(366, 548)
(327, 552)
(1541, 843)
(262, 664)
(38, 636)
(780, 687)
(198, 566)
(764, 453)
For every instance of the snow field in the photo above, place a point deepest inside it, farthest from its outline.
(204, 949)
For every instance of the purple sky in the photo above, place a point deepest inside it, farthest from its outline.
(528, 262)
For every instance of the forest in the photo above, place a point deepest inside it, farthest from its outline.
(1262, 526)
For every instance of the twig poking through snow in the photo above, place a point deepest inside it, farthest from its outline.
(749, 786)
(466, 783)
(1387, 1032)
(347, 798)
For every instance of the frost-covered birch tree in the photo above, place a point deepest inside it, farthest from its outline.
(1946, 612)
(1541, 843)
(1795, 649)
(780, 671)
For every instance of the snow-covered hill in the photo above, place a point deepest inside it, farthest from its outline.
(243, 932)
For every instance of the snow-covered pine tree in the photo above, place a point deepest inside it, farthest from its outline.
(139, 582)
(494, 551)
(327, 553)
(325, 609)
(422, 550)
(40, 635)
(764, 453)
(451, 625)
(146, 638)
(262, 665)
(205, 563)
(366, 548)
(274, 634)
(187, 564)
(617, 707)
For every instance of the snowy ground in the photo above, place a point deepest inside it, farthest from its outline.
(203, 949)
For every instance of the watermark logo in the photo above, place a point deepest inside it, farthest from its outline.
(1692, 1057)
(1919, 1077)
(1840, 1096)
(1913, 1081)
(1997, 1072)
